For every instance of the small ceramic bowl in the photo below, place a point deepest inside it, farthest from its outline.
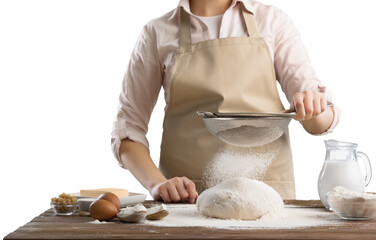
(64, 209)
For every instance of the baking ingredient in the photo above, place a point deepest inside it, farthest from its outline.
(98, 191)
(64, 199)
(157, 212)
(344, 173)
(112, 198)
(103, 210)
(63, 209)
(240, 198)
(132, 214)
(351, 204)
(233, 162)
(186, 215)
(250, 136)
(64, 204)
(341, 193)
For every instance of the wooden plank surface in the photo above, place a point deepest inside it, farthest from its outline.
(49, 226)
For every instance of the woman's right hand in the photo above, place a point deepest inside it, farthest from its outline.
(177, 189)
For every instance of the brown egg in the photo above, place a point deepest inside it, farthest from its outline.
(103, 210)
(112, 198)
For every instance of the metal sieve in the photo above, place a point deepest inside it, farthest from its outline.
(247, 129)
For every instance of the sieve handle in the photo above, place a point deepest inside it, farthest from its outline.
(207, 114)
(293, 110)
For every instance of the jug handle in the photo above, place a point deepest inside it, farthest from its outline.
(367, 164)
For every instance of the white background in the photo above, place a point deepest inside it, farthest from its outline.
(61, 67)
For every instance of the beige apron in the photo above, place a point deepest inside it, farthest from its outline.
(233, 74)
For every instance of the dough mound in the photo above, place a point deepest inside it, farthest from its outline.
(240, 198)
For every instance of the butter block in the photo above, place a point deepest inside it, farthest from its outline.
(98, 191)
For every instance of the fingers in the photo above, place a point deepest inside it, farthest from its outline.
(316, 106)
(191, 189)
(164, 193)
(299, 106)
(174, 194)
(179, 189)
(176, 190)
(309, 105)
(324, 103)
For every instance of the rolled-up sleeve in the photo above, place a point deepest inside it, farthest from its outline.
(293, 66)
(140, 88)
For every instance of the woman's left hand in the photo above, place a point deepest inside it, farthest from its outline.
(309, 104)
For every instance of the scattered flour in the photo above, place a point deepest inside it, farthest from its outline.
(99, 222)
(239, 162)
(186, 215)
(240, 198)
(250, 136)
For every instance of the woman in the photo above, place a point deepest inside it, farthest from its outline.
(220, 56)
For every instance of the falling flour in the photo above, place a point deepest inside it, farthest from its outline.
(185, 215)
(234, 161)
(240, 163)
(250, 136)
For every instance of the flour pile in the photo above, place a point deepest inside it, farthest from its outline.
(250, 136)
(341, 193)
(242, 199)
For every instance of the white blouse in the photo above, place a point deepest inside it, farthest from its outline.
(213, 24)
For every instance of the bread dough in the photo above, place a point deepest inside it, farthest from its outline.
(240, 198)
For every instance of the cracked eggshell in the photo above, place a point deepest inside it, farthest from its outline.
(132, 214)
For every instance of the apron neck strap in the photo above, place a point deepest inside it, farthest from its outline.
(185, 25)
(250, 22)
(184, 28)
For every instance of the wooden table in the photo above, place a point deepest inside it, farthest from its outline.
(49, 226)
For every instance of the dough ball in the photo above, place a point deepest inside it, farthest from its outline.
(240, 198)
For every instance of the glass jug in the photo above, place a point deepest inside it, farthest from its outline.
(341, 168)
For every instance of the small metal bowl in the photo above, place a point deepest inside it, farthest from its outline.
(63, 209)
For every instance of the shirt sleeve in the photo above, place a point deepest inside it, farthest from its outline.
(140, 89)
(293, 66)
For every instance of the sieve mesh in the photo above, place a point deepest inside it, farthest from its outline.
(247, 130)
